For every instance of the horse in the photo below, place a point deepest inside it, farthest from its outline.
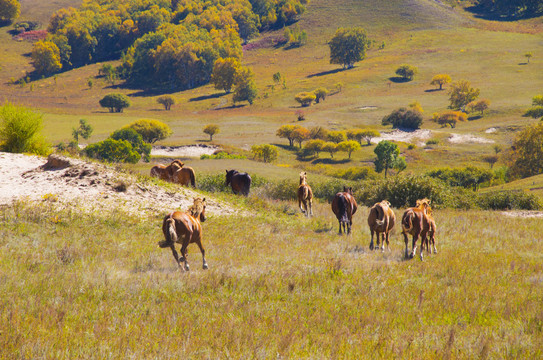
(305, 195)
(184, 176)
(415, 222)
(164, 172)
(431, 236)
(344, 207)
(381, 221)
(185, 229)
(240, 182)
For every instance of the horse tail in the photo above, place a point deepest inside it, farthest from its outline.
(170, 234)
(342, 207)
(154, 171)
(192, 180)
(380, 215)
(407, 221)
(247, 185)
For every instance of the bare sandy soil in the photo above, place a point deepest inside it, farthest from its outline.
(405, 136)
(184, 151)
(90, 186)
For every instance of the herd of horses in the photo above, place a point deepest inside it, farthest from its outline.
(185, 227)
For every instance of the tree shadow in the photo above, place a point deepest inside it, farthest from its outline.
(207, 97)
(523, 63)
(481, 13)
(285, 147)
(329, 72)
(475, 117)
(398, 79)
(232, 106)
(329, 161)
(433, 90)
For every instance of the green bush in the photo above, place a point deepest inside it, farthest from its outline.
(507, 200)
(403, 118)
(135, 140)
(222, 155)
(115, 102)
(113, 151)
(20, 130)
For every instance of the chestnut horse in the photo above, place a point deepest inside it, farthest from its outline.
(415, 222)
(431, 237)
(381, 221)
(166, 173)
(184, 176)
(185, 229)
(305, 195)
(344, 207)
(240, 182)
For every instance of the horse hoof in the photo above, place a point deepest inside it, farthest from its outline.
(205, 267)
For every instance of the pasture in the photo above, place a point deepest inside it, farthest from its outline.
(96, 285)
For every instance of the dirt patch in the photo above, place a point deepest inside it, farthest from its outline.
(90, 186)
(184, 151)
(468, 138)
(523, 214)
(404, 136)
(368, 108)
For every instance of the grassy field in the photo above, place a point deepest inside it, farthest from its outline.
(279, 285)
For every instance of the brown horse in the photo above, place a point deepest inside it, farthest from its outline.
(164, 172)
(381, 221)
(431, 236)
(184, 176)
(415, 222)
(185, 228)
(305, 195)
(240, 182)
(344, 207)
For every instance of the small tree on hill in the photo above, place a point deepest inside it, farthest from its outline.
(115, 102)
(314, 146)
(348, 46)
(440, 80)
(479, 105)
(490, 160)
(388, 157)
(211, 130)
(330, 148)
(286, 132)
(403, 118)
(527, 153)
(369, 134)
(305, 98)
(318, 132)
(528, 56)
(245, 86)
(84, 130)
(167, 101)
(45, 57)
(225, 73)
(300, 135)
(265, 152)
(349, 146)
(450, 118)
(151, 130)
(407, 72)
(336, 136)
(320, 93)
(461, 93)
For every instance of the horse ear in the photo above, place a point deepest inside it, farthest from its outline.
(204, 200)
(226, 171)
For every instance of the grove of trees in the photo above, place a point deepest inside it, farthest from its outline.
(461, 93)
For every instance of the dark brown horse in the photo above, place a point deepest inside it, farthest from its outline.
(305, 195)
(240, 182)
(344, 207)
(415, 222)
(185, 229)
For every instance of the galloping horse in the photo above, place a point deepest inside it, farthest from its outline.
(164, 172)
(305, 195)
(240, 182)
(344, 207)
(415, 222)
(381, 220)
(185, 229)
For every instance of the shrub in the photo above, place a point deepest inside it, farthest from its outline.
(113, 151)
(20, 130)
(135, 140)
(265, 152)
(115, 102)
(507, 200)
(305, 98)
(407, 72)
(222, 155)
(403, 118)
(150, 130)
(468, 177)
(211, 130)
(433, 142)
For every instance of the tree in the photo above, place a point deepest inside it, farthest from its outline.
(388, 157)
(348, 46)
(84, 130)
(151, 131)
(349, 146)
(537, 100)
(167, 101)
(276, 77)
(115, 102)
(113, 150)
(286, 132)
(9, 10)
(320, 93)
(416, 106)
(403, 118)
(480, 105)
(336, 136)
(528, 56)
(211, 130)
(330, 148)
(527, 152)
(245, 86)
(407, 72)
(295, 37)
(305, 98)
(440, 80)
(225, 73)
(300, 134)
(461, 93)
(266, 152)
(45, 57)
(490, 159)
(318, 132)
(135, 140)
(109, 72)
(314, 146)
(368, 135)
(20, 130)
(451, 118)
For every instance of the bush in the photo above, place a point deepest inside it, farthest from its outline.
(20, 130)
(150, 130)
(222, 155)
(403, 118)
(305, 98)
(113, 151)
(407, 72)
(115, 102)
(135, 140)
(507, 200)
(468, 177)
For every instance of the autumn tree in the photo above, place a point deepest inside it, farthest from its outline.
(450, 118)
(9, 10)
(300, 134)
(115, 102)
(314, 146)
(330, 148)
(320, 94)
(348, 146)
(478, 105)
(305, 98)
(265, 152)
(318, 132)
(440, 80)
(527, 152)
(225, 73)
(211, 130)
(245, 86)
(286, 132)
(348, 46)
(167, 101)
(461, 93)
(407, 72)
(336, 136)
(150, 130)
(45, 57)
(403, 118)
(388, 157)
(528, 56)
(367, 134)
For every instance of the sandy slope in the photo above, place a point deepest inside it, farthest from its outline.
(90, 186)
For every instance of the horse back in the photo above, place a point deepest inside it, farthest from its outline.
(185, 225)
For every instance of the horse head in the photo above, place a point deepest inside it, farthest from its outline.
(229, 174)
(303, 177)
(198, 209)
(348, 190)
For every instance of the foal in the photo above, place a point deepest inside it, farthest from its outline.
(305, 195)
(185, 228)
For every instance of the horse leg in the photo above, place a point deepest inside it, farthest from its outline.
(388, 243)
(371, 242)
(311, 207)
(382, 242)
(175, 255)
(406, 240)
(204, 262)
(415, 238)
(300, 206)
(184, 254)
(340, 227)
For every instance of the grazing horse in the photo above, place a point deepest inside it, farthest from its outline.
(305, 195)
(415, 222)
(185, 228)
(344, 207)
(381, 221)
(240, 182)
(164, 172)
(184, 176)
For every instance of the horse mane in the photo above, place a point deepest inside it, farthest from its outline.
(424, 204)
(196, 209)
